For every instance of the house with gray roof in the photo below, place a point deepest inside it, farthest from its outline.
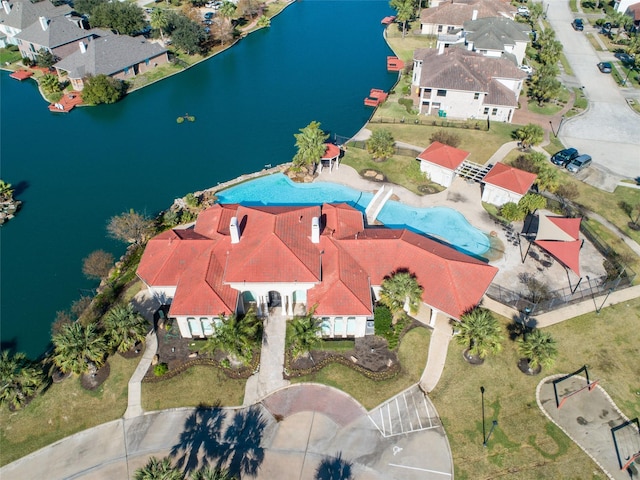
(461, 84)
(16, 15)
(497, 36)
(58, 35)
(118, 56)
(449, 17)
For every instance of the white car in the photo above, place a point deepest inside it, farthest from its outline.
(524, 11)
(526, 69)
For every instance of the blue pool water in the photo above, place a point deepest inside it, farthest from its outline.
(440, 222)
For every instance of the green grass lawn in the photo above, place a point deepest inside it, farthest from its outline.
(413, 358)
(198, 385)
(525, 445)
(9, 56)
(64, 409)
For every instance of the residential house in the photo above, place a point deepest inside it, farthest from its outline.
(58, 35)
(449, 17)
(293, 258)
(17, 15)
(440, 161)
(497, 37)
(461, 84)
(118, 56)
(504, 184)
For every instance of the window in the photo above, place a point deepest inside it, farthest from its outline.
(207, 326)
(126, 70)
(146, 62)
(494, 112)
(441, 93)
(439, 28)
(195, 326)
(326, 326)
(338, 326)
(450, 28)
(486, 110)
(351, 326)
(476, 96)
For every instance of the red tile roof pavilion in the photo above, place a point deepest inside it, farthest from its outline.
(276, 246)
(443, 155)
(510, 178)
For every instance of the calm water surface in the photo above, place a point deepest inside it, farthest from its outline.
(74, 171)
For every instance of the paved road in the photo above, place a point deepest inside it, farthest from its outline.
(609, 129)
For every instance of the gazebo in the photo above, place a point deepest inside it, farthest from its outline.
(560, 237)
(331, 157)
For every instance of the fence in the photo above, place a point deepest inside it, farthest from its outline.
(526, 301)
(362, 145)
(435, 122)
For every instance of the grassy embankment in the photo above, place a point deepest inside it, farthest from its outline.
(525, 445)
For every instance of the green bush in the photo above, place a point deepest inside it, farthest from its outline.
(160, 369)
(512, 212)
(407, 103)
(382, 319)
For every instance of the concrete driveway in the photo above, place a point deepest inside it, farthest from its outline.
(609, 130)
(293, 434)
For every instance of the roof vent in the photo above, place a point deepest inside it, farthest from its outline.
(234, 230)
(315, 230)
(83, 47)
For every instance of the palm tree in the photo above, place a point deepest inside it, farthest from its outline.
(208, 473)
(20, 379)
(539, 348)
(381, 144)
(481, 332)
(303, 335)
(548, 179)
(158, 469)
(529, 135)
(124, 327)
(405, 11)
(6, 192)
(238, 336)
(310, 144)
(226, 10)
(159, 21)
(78, 348)
(399, 291)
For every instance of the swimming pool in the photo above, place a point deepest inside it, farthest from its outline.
(441, 222)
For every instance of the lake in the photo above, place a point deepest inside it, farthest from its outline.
(74, 171)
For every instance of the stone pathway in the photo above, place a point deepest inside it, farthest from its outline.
(270, 376)
(438, 347)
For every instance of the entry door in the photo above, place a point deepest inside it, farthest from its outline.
(274, 299)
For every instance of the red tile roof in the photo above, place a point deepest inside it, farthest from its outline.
(331, 151)
(443, 155)
(510, 178)
(275, 246)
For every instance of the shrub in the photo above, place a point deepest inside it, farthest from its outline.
(160, 369)
(382, 319)
(511, 212)
(446, 137)
(407, 103)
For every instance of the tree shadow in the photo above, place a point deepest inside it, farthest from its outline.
(202, 431)
(19, 188)
(243, 453)
(334, 468)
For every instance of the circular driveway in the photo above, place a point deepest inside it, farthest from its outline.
(609, 130)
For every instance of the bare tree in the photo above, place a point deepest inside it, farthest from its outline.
(130, 227)
(97, 264)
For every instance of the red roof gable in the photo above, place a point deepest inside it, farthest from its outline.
(331, 151)
(275, 246)
(510, 178)
(443, 155)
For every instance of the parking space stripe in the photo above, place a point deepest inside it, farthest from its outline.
(420, 469)
(406, 406)
(389, 415)
(426, 406)
(417, 410)
(399, 416)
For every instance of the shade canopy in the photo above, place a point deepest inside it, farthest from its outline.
(560, 236)
(331, 151)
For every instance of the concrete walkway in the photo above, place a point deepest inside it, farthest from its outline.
(438, 347)
(269, 377)
(144, 303)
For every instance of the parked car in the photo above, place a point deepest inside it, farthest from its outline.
(526, 69)
(524, 11)
(605, 67)
(563, 157)
(579, 163)
(208, 15)
(625, 58)
(578, 24)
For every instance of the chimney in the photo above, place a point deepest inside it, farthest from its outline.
(315, 230)
(234, 230)
(6, 6)
(83, 47)
(474, 15)
(44, 23)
